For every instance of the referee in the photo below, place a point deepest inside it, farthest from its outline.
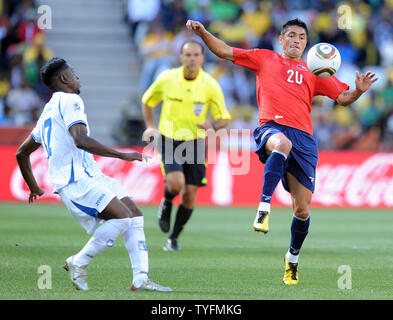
(186, 92)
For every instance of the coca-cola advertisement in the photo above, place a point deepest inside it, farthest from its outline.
(344, 179)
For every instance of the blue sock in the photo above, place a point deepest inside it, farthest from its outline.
(274, 170)
(299, 231)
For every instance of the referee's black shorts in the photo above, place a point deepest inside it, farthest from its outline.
(187, 156)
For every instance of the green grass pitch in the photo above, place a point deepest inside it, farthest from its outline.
(222, 258)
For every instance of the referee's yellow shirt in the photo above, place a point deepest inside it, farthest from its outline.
(185, 103)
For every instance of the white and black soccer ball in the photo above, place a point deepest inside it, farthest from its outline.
(323, 60)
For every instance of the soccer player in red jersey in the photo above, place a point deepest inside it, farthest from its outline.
(284, 139)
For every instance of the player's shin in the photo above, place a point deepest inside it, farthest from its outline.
(135, 242)
(299, 231)
(166, 205)
(182, 216)
(165, 209)
(103, 238)
(169, 195)
(274, 171)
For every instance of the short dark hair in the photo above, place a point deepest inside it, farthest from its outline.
(51, 69)
(192, 41)
(294, 22)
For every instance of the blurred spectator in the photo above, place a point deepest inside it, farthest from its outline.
(266, 41)
(370, 114)
(140, 13)
(156, 50)
(173, 16)
(256, 17)
(16, 68)
(234, 83)
(23, 51)
(199, 10)
(386, 99)
(368, 54)
(28, 28)
(323, 121)
(387, 141)
(9, 38)
(224, 10)
(386, 92)
(5, 86)
(34, 58)
(6, 119)
(347, 129)
(24, 104)
(222, 72)
(348, 52)
(243, 117)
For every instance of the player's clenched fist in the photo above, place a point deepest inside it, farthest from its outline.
(195, 26)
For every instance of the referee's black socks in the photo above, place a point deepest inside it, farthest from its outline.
(168, 195)
(182, 216)
(167, 205)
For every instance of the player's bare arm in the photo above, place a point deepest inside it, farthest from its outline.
(23, 159)
(151, 132)
(83, 141)
(363, 82)
(217, 46)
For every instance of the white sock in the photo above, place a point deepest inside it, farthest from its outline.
(103, 238)
(292, 258)
(135, 242)
(264, 206)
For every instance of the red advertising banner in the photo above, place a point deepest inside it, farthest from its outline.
(344, 179)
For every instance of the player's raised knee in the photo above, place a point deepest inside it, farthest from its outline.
(283, 144)
(175, 186)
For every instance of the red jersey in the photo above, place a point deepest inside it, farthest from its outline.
(285, 87)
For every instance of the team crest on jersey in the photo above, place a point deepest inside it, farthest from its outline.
(198, 108)
(301, 67)
(77, 106)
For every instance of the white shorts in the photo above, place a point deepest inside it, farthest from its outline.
(88, 197)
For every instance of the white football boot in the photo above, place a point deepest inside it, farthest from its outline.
(147, 284)
(78, 274)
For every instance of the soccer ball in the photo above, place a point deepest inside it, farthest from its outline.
(323, 60)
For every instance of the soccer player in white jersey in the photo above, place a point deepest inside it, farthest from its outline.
(99, 203)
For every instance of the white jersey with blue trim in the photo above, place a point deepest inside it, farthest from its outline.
(67, 163)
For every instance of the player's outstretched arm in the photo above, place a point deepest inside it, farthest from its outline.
(23, 159)
(363, 83)
(83, 141)
(217, 46)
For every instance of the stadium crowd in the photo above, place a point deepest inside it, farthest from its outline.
(158, 29)
(365, 41)
(23, 52)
